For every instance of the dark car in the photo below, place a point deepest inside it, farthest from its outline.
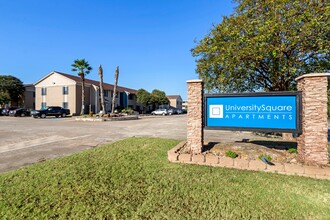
(50, 111)
(19, 112)
(171, 111)
(6, 111)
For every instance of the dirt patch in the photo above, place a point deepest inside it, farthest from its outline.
(251, 150)
(247, 149)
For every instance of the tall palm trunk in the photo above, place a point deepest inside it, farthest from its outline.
(82, 95)
(101, 88)
(115, 90)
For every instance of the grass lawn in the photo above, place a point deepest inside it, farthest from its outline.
(132, 179)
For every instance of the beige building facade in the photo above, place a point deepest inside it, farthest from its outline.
(61, 89)
(175, 101)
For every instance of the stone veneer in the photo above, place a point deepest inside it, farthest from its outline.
(195, 132)
(313, 142)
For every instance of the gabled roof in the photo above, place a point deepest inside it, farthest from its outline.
(106, 86)
(173, 96)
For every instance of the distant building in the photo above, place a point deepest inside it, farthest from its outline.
(185, 105)
(175, 101)
(24, 101)
(61, 89)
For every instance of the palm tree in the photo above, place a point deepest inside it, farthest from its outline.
(101, 88)
(83, 69)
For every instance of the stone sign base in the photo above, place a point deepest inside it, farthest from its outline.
(313, 140)
(318, 172)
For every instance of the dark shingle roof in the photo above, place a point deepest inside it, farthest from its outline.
(106, 86)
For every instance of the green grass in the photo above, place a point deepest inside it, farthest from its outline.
(132, 179)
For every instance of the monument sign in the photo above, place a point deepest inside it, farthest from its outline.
(271, 111)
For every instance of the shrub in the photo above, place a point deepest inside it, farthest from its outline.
(231, 154)
(127, 110)
(292, 150)
(268, 157)
(118, 109)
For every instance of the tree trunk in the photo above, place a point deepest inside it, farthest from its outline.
(115, 90)
(101, 88)
(82, 95)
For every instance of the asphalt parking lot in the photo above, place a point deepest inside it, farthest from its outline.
(25, 141)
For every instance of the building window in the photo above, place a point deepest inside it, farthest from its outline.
(106, 93)
(65, 105)
(43, 91)
(65, 90)
(130, 97)
(43, 105)
(34, 94)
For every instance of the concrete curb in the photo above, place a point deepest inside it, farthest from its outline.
(175, 155)
(98, 119)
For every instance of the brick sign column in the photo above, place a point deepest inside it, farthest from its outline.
(195, 133)
(313, 142)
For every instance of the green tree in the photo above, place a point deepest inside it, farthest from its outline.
(143, 98)
(4, 98)
(159, 97)
(11, 89)
(265, 45)
(83, 68)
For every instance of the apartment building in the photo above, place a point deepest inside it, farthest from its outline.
(175, 101)
(61, 89)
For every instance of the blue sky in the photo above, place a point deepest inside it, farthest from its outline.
(150, 40)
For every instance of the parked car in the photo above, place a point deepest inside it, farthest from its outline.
(171, 111)
(160, 112)
(1, 111)
(50, 111)
(6, 111)
(179, 111)
(19, 112)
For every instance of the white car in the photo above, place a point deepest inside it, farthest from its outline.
(160, 112)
